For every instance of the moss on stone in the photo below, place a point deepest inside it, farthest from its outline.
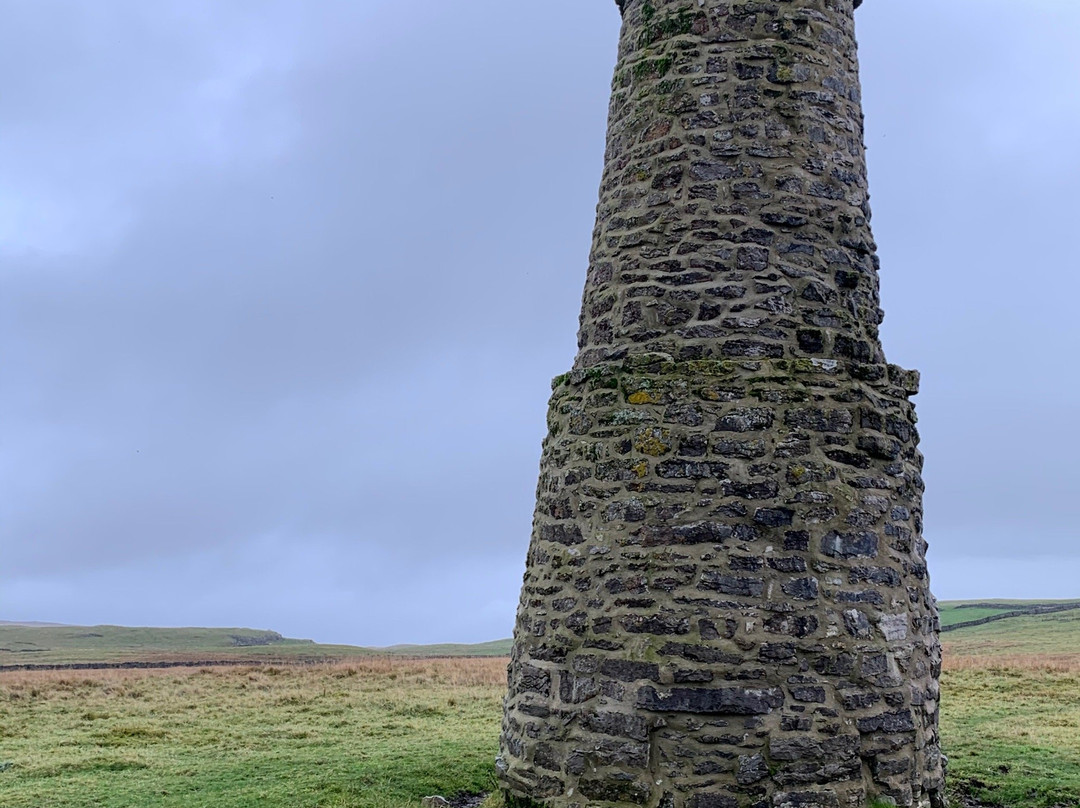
(654, 30)
(784, 73)
(670, 86)
(652, 68)
(711, 367)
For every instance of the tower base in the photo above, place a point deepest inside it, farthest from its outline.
(726, 602)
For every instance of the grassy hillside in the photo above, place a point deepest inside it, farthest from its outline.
(1041, 634)
(57, 645)
(493, 648)
(951, 614)
(39, 644)
(958, 612)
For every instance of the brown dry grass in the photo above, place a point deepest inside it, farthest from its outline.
(1031, 663)
(457, 671)
(453, 672)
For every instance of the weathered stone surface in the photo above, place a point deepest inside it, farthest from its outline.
(722, 701)
(726, 602)
(752, 769)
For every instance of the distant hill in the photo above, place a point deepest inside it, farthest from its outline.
(1011, 627)
(493, 648)
(43, 644)
(971, 628)
(958, 613)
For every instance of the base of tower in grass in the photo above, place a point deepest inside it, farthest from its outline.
(726, 602)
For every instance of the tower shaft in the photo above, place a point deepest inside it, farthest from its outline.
(726, 601)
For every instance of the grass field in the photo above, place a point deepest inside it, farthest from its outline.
(951, 615)
(960, 611)
(373, 733)
(382, 732)
(1011, 729)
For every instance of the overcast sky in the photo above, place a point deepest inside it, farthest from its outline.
(283, 284)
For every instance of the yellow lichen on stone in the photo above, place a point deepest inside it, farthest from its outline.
(653, 441)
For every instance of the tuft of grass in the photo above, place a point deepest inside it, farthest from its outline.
(494, 800)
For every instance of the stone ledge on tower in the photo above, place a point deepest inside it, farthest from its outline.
(622, 3)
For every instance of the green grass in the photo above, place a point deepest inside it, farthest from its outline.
(1047, 634)
(950, 615)
(1012, 734)
(1010, 711)
(382, 732)
(373, 734)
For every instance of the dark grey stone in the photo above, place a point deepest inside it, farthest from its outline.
(774, 517)
(850, 545)
(898, 721)
(617, 724)
(731, 584)
(721, 701)
(629, 671)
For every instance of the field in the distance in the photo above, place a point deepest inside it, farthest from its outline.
(382, 732)
(25, 644)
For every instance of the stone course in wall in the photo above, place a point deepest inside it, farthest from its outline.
(726, 601)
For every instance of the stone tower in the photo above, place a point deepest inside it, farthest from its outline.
(726, 602)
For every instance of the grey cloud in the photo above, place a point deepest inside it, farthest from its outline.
(283, 285)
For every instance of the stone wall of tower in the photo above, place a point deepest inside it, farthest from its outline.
(726, 601)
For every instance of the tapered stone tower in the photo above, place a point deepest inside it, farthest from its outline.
(726, 603)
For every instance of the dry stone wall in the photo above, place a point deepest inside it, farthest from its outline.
(726, 601)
